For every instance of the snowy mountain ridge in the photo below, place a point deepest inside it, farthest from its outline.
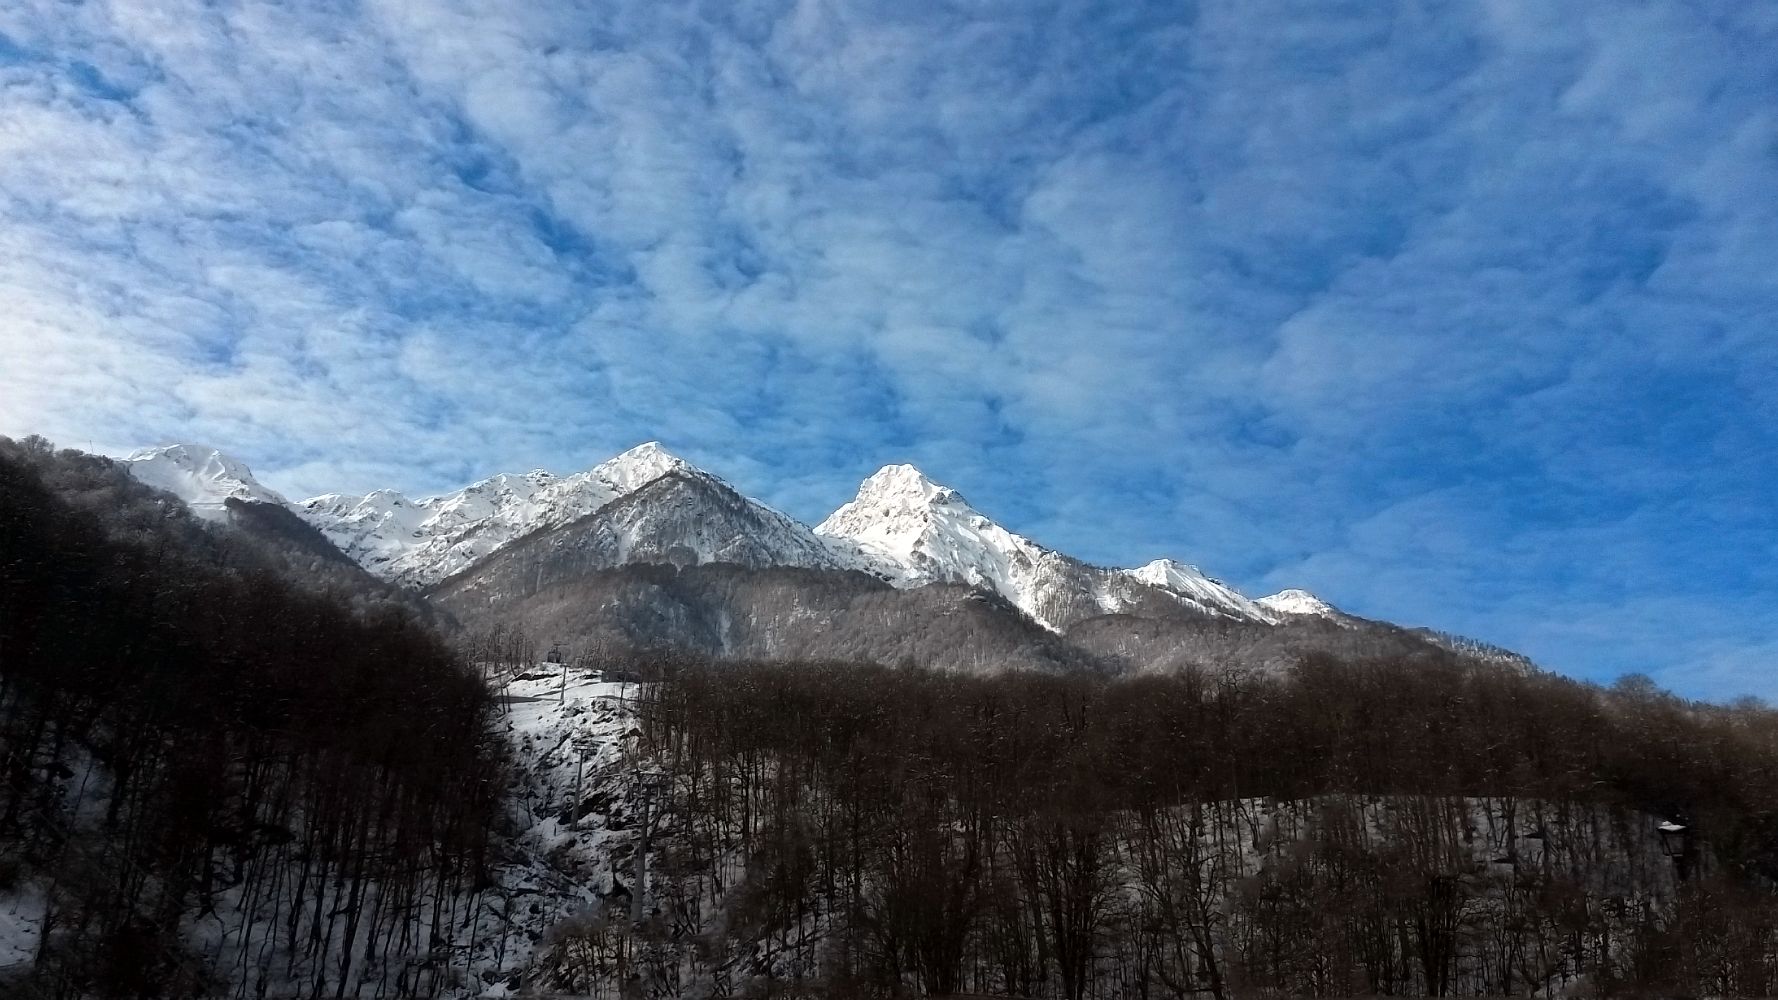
(420, 542)
(912, 531)
(901, 527)
(1189, 581)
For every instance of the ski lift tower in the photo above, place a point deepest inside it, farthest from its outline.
(649, 784)
(1676, 843)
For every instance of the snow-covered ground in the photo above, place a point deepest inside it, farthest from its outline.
(21, 922)
(571, 810)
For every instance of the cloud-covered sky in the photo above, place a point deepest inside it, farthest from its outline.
(1458, 314)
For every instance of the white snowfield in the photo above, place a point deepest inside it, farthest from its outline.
(901, 527)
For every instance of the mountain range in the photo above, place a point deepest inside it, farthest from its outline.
(647, 549)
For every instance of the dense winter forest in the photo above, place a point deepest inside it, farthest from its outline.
(234, 765)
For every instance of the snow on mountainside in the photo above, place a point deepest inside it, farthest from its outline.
(684, 518)
(655, 508)
(1190, 582)
(912, 531)
(1299, 602)
(203, 477)
(420, 542)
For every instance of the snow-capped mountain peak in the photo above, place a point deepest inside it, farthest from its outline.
(901, 526)
(905, 486)
(639, 466)
(1298, 602)
(1168, 573)
(1190, 583)
(421, 542)
(910, 530)
(202, 476)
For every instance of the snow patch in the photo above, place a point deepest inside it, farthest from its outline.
(21, 925)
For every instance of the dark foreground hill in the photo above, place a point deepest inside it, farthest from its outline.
(213, 775)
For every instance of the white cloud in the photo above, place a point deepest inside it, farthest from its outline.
(1309, 295)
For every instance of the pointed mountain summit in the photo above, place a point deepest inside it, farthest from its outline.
(203, 477)
(420, 542)
(911, 531)
(686, 517)
(639, 466)
(906, 486)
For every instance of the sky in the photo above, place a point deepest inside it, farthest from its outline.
(1459, 315)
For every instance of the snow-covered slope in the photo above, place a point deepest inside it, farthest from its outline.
(420, 542)
(912, 531)
(203, 477)
(1290, 603)
(1190, 583)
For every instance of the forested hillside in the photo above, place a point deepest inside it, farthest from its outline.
(216, 779)
(1345, 827)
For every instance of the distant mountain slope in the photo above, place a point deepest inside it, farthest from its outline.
(1128, 643)
(222, 494)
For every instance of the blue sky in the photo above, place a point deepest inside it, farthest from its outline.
(1459, 315)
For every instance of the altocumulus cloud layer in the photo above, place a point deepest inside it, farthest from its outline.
(1460, 315)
